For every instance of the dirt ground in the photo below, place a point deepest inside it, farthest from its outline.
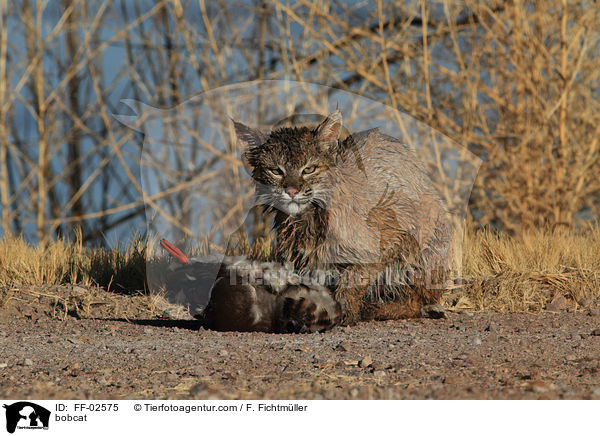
(49, 350)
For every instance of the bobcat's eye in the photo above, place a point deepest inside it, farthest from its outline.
(277, 172)
(309, 170)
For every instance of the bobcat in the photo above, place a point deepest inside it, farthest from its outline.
(361, 212)
(362, 209)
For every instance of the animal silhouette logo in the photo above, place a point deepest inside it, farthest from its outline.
(26, 415)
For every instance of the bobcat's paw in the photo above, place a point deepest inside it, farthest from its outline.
(303, 309)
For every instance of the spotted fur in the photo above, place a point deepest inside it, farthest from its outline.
(363, 207)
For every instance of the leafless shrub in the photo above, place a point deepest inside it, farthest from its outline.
(516, 82)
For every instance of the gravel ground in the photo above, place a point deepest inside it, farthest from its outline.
(466, 356)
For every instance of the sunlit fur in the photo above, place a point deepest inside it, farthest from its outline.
(368, 210)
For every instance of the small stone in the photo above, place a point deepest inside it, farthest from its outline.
(366, 361)
(576, 337)
(3, 365)
(453, 380)
(223, 353)
(198, 389)
(28, 362)
(539, 386)
(375, 366)
(342, 346)
(596, 332)
(171, 313)
(475, 340)
(570, 357)
(557, 304)
(379, 373)
(434, 311)
(79, 289)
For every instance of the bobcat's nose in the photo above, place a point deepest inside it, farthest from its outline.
(291, 191)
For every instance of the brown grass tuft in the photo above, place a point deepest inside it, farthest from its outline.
(524, 272)
(60, 262)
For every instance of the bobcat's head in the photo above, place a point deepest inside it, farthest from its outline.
(290, 164)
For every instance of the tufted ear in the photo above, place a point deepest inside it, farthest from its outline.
(330, 128)
(249, 137)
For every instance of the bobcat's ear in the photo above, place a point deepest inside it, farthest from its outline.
(249, 137)
(329, 130)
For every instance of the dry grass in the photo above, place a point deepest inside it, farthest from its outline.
(60, 262)
(526, 271)
(503, 273)
(67, 279)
